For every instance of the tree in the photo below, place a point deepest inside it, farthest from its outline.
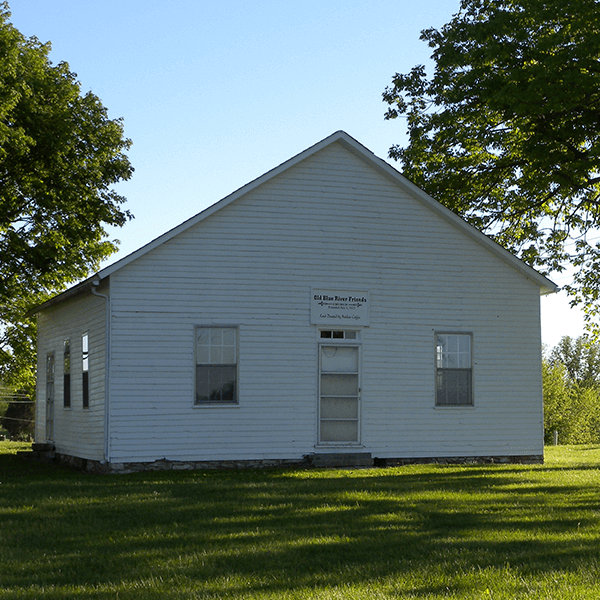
(506, 132)
(558, 399)
(59, 156)
(19, 416)
(581, 358)
(572, 391)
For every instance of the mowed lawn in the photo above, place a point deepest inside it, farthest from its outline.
(410, 532)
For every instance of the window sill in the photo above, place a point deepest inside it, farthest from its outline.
(216, 405)
(330, 445)
(455, 407)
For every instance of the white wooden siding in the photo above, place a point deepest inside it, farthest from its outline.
(330, 222)
(77, 431)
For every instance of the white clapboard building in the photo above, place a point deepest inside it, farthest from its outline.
(329, 312)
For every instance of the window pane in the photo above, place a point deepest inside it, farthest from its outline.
(464, 360)
(202, 336)
(339, 385)
(67, 390)
(339, 408)
(202, 386)
(215, 355)
(464, 343)
(67, 374)
(453, 388)
(452, 343)
(339, 431)
(441, 349)
(215, 336)
(453, 351)
(216, 345)
(215, 384)
(228, 356)
(229, 336)
(50, 368)
(339, 359)
(202, 355)
(86, 390)
(67, 356)
(84, 352)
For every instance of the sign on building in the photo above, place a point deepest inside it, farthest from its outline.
(339, 307)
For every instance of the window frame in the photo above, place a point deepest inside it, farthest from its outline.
(236, 391)
(439, 371)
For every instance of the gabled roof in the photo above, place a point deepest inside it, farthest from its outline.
(341, 137)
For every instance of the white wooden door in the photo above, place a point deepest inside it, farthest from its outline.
(339, 394)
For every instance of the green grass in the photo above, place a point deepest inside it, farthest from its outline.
(411, 532)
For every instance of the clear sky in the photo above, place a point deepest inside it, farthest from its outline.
(214, 93)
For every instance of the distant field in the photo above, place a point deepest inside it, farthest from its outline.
(419, 531)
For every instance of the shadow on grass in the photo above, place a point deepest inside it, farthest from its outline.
(420, 529)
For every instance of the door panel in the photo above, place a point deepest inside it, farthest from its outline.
(339, 431)
(340, 408)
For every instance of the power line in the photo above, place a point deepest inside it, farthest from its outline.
(21, 420)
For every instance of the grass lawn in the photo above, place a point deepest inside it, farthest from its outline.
(420, 531)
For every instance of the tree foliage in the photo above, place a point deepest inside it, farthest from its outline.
(581, 359)
(19, 415)
(60, 155)
(506, 132)
(572, 391)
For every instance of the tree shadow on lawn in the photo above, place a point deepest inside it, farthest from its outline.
(280, 530)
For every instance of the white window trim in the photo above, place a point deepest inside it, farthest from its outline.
(453, 407)
(217, 405)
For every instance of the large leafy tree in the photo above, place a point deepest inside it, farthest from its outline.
(506, 131)
(59, 156)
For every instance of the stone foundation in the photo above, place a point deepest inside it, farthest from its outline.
(311, 461)
(93, 466)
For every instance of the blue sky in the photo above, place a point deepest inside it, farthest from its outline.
(214, 93)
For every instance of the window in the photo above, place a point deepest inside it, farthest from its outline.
(454, 371)
(50, 397)
(216, 365)
(85, 364)
(334, 334)
(67, 374)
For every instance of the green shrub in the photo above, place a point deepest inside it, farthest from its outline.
(572, 393)
(19, 418)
